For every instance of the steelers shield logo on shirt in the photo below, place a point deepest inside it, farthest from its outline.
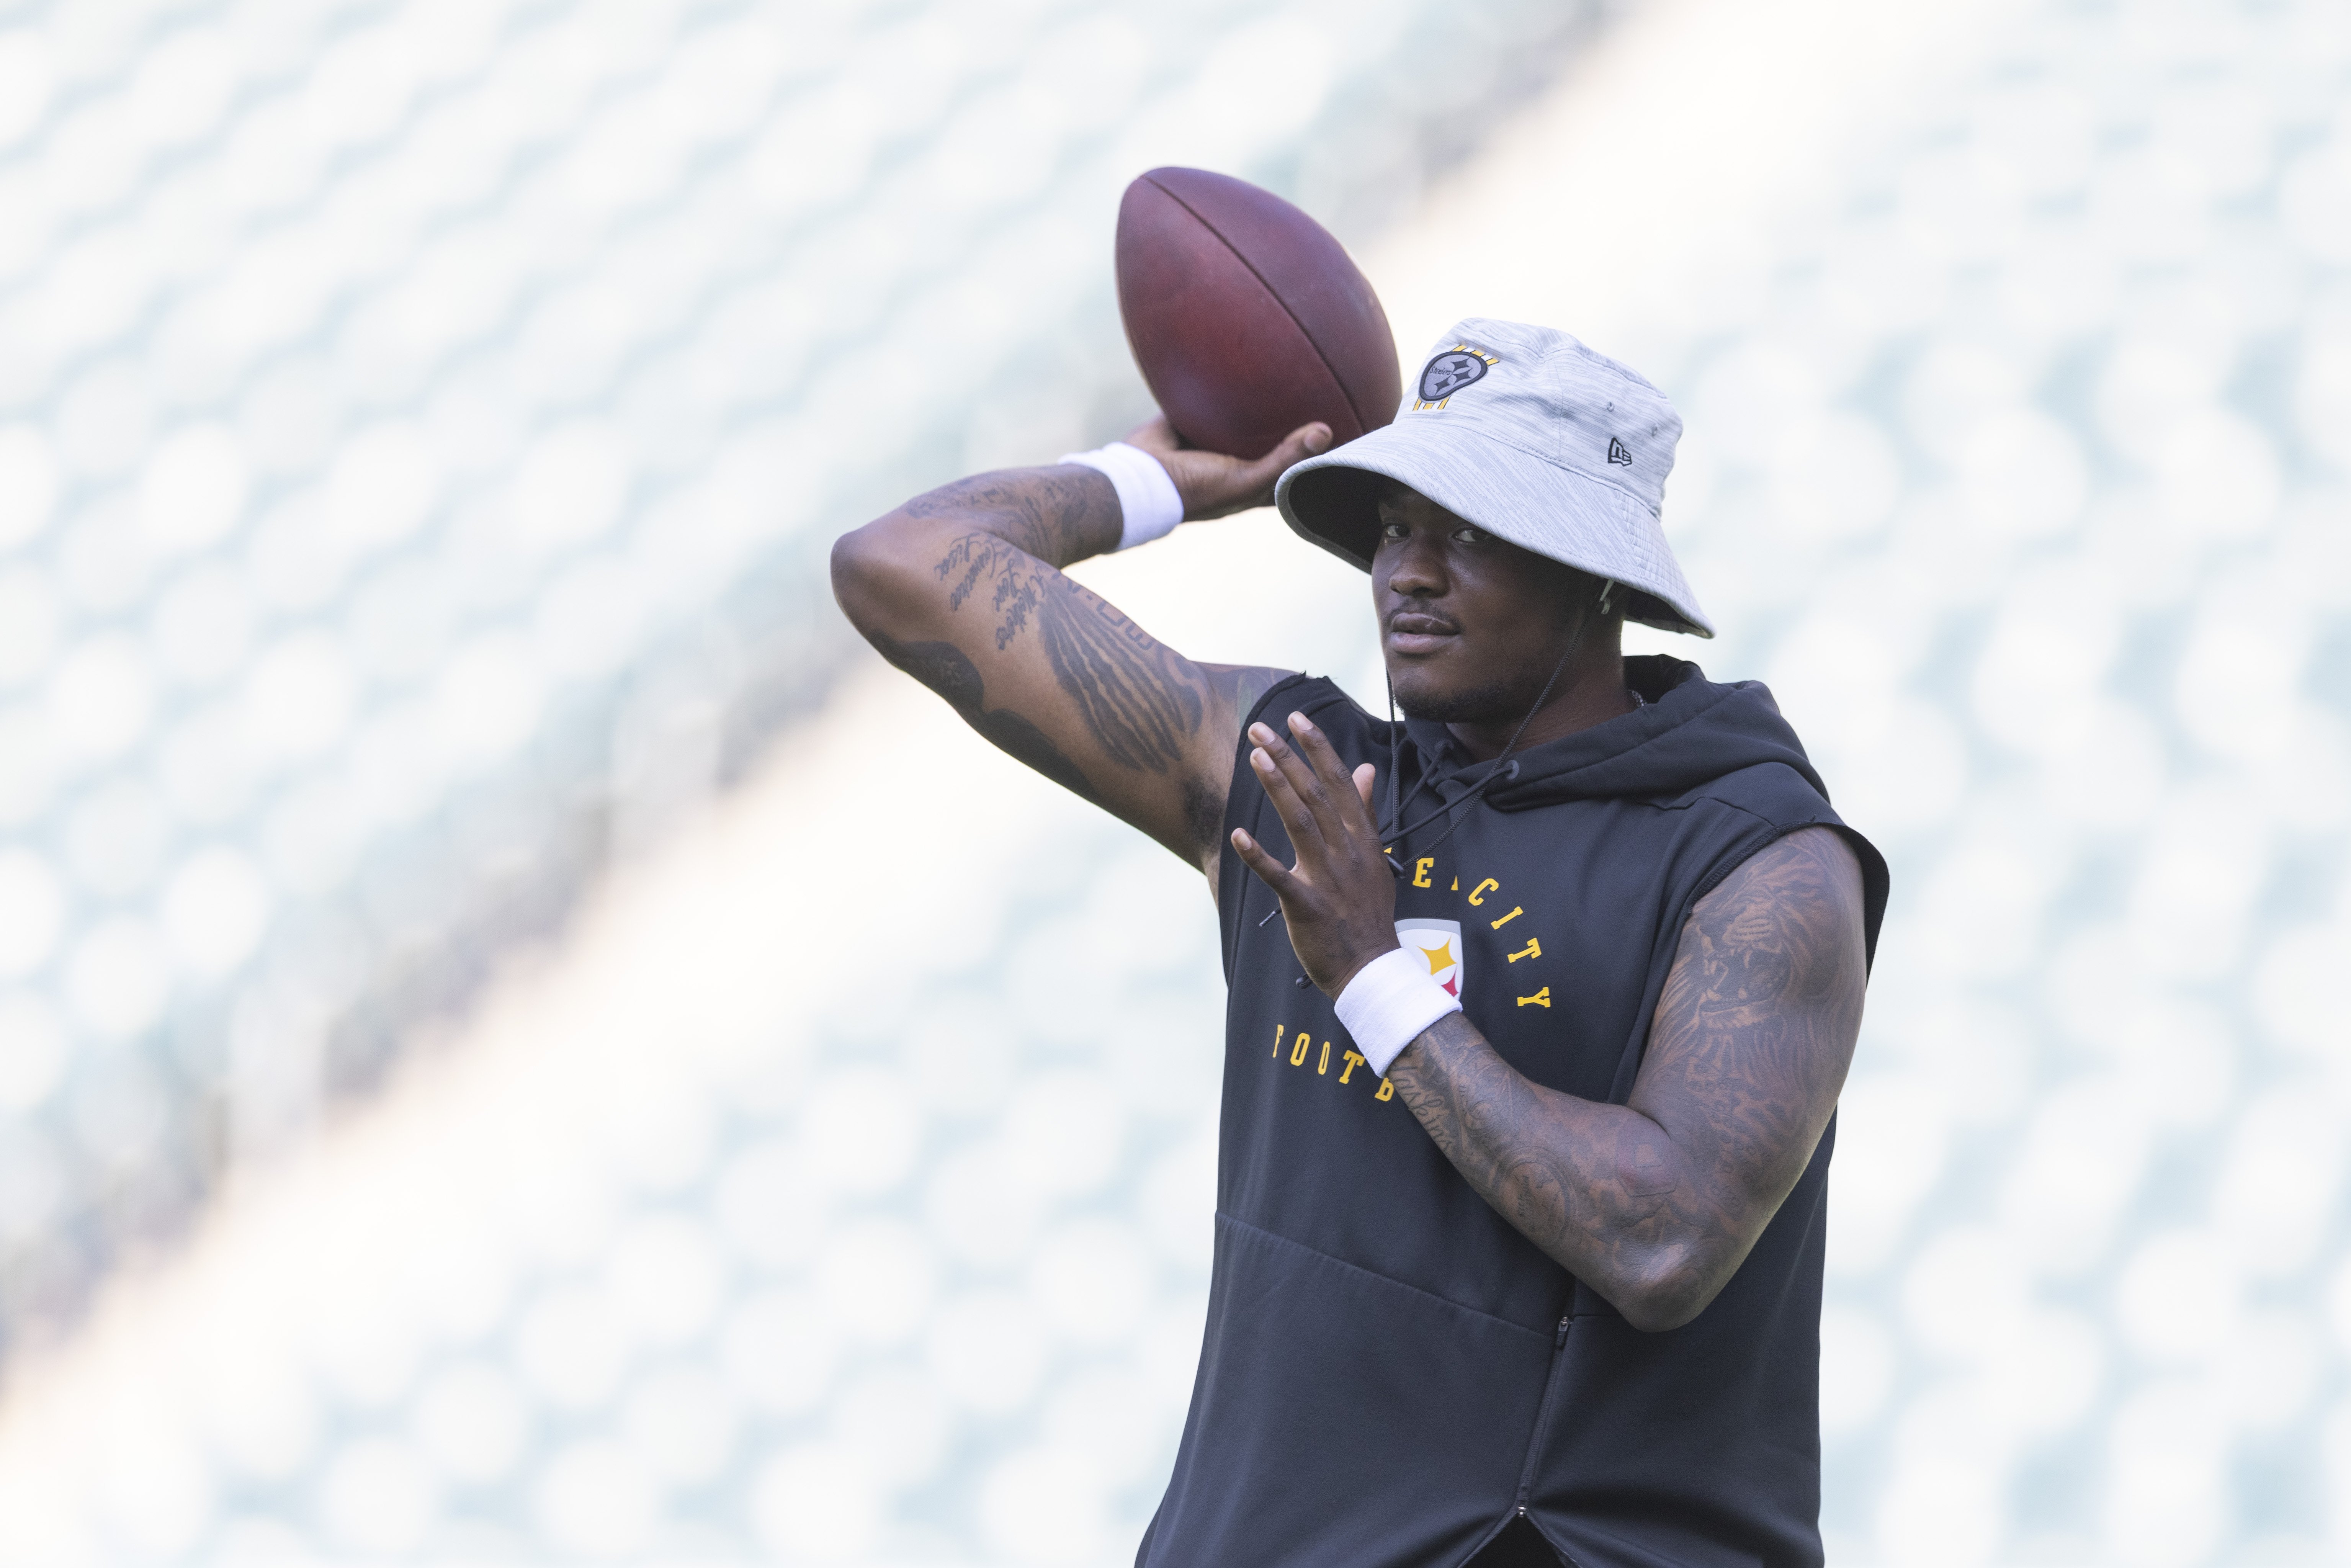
(1439, 942)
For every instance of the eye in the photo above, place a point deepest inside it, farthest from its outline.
(1469, 536)
(1393, 531)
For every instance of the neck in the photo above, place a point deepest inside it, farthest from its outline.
(1590, 691)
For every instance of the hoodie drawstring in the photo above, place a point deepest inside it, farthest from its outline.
(1494, 770)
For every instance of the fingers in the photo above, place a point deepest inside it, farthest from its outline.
(1269, 871)
(1214, 485)
(1302, 784)
(1306, 440)
(1333, 774)
(1341, 812)
(1283, 786)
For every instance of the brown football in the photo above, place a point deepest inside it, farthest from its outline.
(1247, 317)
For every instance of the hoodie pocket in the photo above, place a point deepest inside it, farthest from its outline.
(1341, 1416)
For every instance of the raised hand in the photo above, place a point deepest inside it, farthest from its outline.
(1215, 485)
(1339, 900)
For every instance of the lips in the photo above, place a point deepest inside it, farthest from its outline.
(1414, 632)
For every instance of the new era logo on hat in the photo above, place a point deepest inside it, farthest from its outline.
(1533, 437)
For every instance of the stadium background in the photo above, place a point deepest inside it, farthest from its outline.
(520, 1043)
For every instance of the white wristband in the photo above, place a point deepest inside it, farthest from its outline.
(1389, 1003)
(1148, 506)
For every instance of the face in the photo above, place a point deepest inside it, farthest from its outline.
(1471, 627)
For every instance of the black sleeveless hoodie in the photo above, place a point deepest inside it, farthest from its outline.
(1391, 1373)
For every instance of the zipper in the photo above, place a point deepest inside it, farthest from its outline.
(1542, 1413)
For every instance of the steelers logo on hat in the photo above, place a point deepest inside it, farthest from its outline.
(1449, 371)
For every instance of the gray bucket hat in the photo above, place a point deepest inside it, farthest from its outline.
(1533, 437)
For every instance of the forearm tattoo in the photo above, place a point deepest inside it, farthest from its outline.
(1140, 702)
(1585, 1182)
(1655, 1203)
(1134, 733)
(1058, 515)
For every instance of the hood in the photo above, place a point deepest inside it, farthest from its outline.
(1693, 731)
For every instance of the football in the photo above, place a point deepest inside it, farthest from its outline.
(1247, 318)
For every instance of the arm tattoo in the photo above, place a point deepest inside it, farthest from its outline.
(1547, 1162)
(1655, 1203)
(1137, 698)
(1242, 685)
(1133, 727)
(1238, 686)
(1058, 515)
(943, 667)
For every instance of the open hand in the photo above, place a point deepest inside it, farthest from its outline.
(1214, 486)
(1339, 900)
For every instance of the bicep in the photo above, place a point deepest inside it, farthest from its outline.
(1756, 1025)
(1058, 678)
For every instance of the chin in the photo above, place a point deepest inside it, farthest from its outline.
(1419, 694)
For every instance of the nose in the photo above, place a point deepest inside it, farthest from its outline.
(1413, 565)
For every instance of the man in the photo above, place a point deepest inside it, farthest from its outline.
(1522, 1175)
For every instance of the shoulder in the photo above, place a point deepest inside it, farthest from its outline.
(1282, 693)
(1814, 856)
(1247, 687)
(1800, 900)
(1772, 790)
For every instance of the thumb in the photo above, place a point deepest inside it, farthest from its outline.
(1305, 441)
(1366, 776)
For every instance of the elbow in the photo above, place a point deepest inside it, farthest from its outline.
(1672, 1293)
(860, 569)
(1661, 1314)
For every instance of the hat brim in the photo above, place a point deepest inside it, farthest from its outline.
(1534, 503)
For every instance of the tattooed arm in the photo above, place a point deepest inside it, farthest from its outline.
(962, 589)
(1656, 1202)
